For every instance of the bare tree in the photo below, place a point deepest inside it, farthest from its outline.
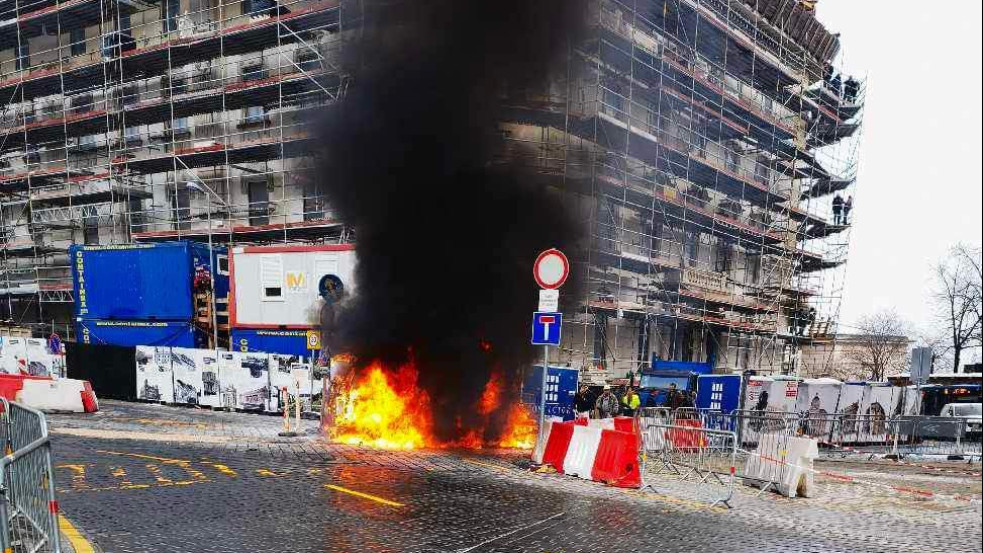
(958, 300)
(881, 346)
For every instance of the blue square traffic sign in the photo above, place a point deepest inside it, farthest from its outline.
(546, 328)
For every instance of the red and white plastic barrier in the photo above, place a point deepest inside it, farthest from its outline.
(600, 451)
(49, 394)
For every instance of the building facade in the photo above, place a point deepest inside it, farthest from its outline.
(704, 142)
(110, 108)
(715, 143)
(855, 357)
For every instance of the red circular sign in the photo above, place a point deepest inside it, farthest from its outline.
(551, 269)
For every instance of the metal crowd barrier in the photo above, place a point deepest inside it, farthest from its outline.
(28, 510)
(847, 434)
(840, 434)
(936, 436)
(689, 453)
(713, 447)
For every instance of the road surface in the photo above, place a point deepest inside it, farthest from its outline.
(143, 478)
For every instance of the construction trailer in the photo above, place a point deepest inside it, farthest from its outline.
(151, 294)
(702, 142)
(146, 281)
(290, 342)
(276, 294)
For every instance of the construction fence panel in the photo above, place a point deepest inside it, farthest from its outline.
(763, 444)
(751, 425)
(28, 510)
(856, 435)
(689, 453)
(934, 436)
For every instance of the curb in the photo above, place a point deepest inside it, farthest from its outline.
(72, 540)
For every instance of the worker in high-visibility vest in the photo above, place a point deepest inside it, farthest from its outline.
(630, 403)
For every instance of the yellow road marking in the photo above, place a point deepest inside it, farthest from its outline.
(155, 470)
(135, 486)
(78, 475)
(141, 456)
(76, 539)
(370, 497)
(268, 472)
(120, 472)
(183, 463)
(224, 469)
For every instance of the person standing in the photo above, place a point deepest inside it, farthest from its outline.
(583, 402)
(673, 398)
(837, 209)
(652, 399)
(847, 206)
(690, 399)
(850, 89)
(607, 403)
(630, 403)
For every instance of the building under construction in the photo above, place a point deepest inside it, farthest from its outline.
(708, 140)
(131, 120)
(715, 142)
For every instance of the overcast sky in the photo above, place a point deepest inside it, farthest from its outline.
(919, 182)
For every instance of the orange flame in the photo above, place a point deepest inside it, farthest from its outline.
(520, 429)
(491, 396)
(387, 410)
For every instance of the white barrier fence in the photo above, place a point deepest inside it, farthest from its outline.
(223, 379)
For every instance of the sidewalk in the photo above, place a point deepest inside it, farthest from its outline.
(154, 422)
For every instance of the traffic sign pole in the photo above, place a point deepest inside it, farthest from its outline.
(542, 396)
(550, 271)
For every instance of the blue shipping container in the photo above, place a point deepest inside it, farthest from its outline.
(290, 342)
(140, 333)
(142, 282)
(561, 387)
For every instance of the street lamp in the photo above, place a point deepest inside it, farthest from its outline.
(203, 188)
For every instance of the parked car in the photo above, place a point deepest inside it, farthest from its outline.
(971, 412)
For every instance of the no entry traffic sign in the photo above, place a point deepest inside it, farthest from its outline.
(546, 328)
(551, 269)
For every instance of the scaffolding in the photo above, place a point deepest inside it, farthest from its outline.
(111, 107)
(707, 139)
(701, 142)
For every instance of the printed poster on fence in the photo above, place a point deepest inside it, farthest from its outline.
(40, 361)
(155, 379)
(195, 376)
(244, 380)
(13, 354)
(818, 397)
(280, 377)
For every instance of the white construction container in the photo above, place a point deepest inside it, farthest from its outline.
(277, 286)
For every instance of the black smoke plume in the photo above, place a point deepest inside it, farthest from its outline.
(446, 232)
